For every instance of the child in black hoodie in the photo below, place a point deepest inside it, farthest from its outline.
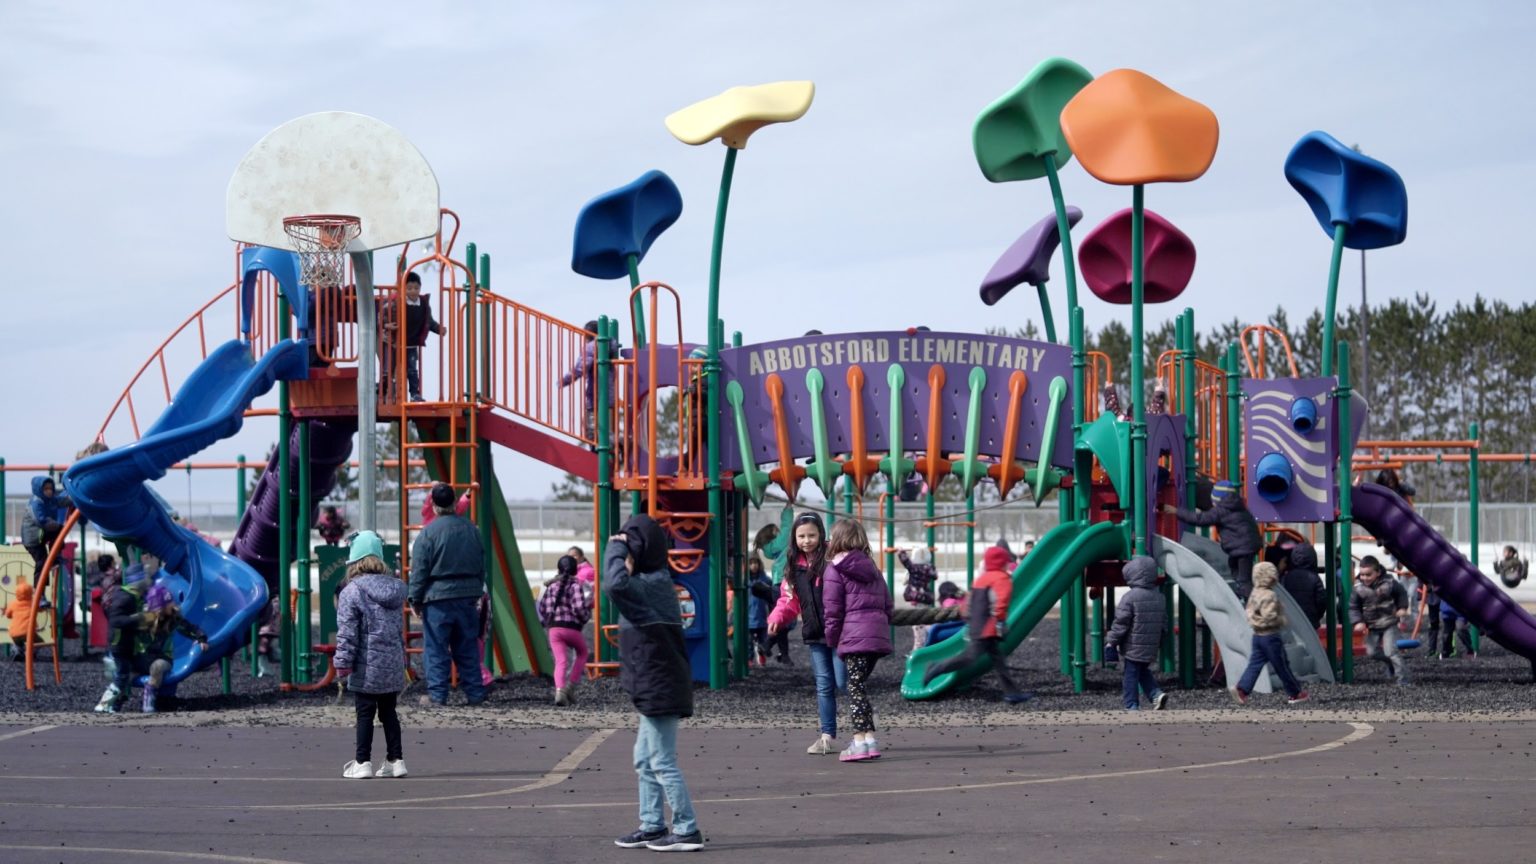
(653, 667)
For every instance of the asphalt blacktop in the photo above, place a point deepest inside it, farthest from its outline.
(1195, 785)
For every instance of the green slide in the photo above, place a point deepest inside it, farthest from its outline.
(517, 637)
(1043, 576)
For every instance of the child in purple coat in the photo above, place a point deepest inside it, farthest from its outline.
(857, 611)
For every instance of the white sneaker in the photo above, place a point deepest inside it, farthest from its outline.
(822, 746)
(357, 771)
(391, 769)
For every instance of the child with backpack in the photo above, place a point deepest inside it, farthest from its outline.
(1137, 633)
(370, 654)
(991, 595)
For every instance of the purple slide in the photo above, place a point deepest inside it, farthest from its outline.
(1434, 560)
(256, 540)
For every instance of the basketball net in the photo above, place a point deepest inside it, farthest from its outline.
(321, 242)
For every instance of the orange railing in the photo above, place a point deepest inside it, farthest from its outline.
(1256, 349)
(1208, 401)
(160, 374)
(638, 447)
(529, 355)
(1100, 371)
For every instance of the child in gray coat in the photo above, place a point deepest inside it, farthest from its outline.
(1138, 632)
(370, 653)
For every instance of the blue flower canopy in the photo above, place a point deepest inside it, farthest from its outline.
(1344, 187)
(624, 222)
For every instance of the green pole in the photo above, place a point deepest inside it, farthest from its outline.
(970, 537)
(712, 415)
(929, 532)
(1234, 417)
(890, 533)
(1064, 229)
(606, 499)
(284, 510)
(4, 512)
(83, 597)
(240, 480)
(1333, 298)
(301, 531)
(1064, 507)
(1346, 462)
(1138, 396)
(739, 646)
(1187, 625)
(636, 307)
(1475, 634)
(1045, 312)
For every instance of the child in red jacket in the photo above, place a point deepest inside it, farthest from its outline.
(990, 596)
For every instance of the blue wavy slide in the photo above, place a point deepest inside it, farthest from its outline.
(218, 592)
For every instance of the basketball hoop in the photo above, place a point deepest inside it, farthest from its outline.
(321, 241)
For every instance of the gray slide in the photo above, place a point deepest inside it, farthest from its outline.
(1224, 614)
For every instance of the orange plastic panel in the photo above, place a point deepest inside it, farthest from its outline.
(1126, 127)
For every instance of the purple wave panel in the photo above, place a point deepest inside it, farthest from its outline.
(1312, 455)
(875, 352)
(1433, 559)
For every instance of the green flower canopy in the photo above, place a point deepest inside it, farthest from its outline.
(1014, 134)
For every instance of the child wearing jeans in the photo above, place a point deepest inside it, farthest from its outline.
(654, 671)
(370, 653)
(857, 610)
(1137, 634)
(801, 597)
(1267, 618)
(564, 609)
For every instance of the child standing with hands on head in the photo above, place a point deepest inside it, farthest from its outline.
(654, 670)
(857, 608)
(800, 597)
(370, 653)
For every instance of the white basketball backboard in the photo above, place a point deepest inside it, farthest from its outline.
(333, 162)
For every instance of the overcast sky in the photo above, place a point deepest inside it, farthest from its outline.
(120, 125)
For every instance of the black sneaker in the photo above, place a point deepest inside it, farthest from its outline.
(638, 838)
(678, 843)
(1160, 701)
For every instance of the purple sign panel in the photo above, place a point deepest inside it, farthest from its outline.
(1291, 447)
(920, 356)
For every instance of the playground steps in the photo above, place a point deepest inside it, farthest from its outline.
(517, 644)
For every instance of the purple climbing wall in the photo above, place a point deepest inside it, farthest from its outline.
(917, 354)
(1271, 417)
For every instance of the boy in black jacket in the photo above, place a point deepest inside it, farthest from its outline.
(654, 670)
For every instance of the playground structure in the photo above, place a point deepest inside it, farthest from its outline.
(837, 410)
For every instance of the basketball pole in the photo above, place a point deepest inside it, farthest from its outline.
(367, 407)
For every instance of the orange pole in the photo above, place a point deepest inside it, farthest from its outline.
(40, 591)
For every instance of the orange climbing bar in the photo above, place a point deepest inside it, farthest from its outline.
(861, 466)
(932, 465)
(1007, 471)
(788, 474)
